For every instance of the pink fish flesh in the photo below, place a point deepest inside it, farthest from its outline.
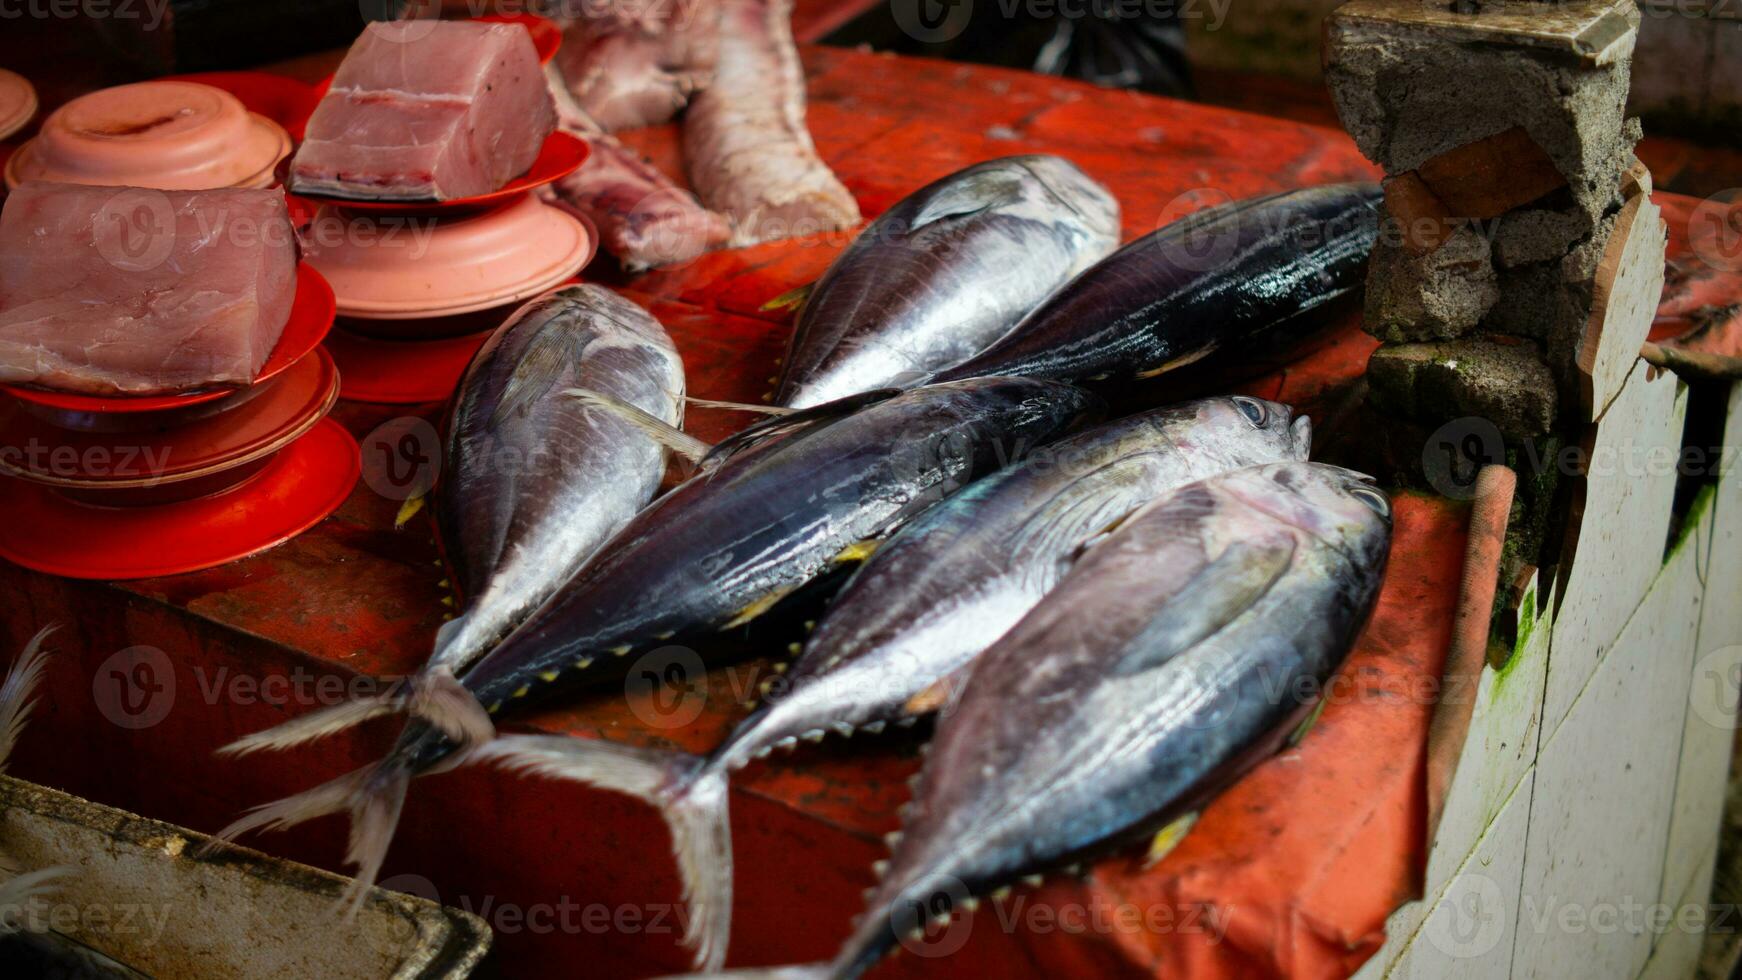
(427, 110)
(124, 291)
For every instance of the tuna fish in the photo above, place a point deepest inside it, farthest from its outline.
(715, 553)
(1248, 277)
(944, 273)
(920, 610)
(632, 71)
(1170, 661)
(427, 110)
(536, 482)
(127, 291)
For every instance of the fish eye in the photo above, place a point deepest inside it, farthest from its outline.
(1254, 411)
(1376, 501)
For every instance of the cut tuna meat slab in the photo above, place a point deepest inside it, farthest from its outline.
(427, 110)
(125, 291)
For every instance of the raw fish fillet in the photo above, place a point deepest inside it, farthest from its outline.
(427, 110)
(631, 72)
(643, 217)
(123, 291)
(745, 142)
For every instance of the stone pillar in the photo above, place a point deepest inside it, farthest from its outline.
(1501, 127)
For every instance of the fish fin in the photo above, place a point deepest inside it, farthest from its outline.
(1168, 838)
(690, 796)
(662, 432)
(774, 428)
(319, 724)
(965, 198)
(546, 356)
(1306, 724)
(375, 811)
(332, 796)
(1179, 362)
(858, 551)
(407, 511)
(741, 407)
(1218, 593)
(438, 698)
(18, 693)
(792, 299)
(760, 606)
(939, 694)
(17, 892)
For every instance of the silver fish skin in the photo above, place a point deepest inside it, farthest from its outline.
(1168, 662)
(945, 588)
(536, 481)
(948, 270)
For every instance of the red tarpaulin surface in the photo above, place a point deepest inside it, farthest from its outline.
(1293, 871)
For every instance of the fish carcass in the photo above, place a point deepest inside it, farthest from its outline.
(130, 291)
(1251, 276)
(1178, 653)
(944, 273)
(919, 611)
(635, 67)
(644, 219)
(720, 550)
(427, 110)
(746, 146)
(535, 482)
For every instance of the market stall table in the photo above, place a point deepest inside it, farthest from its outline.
(1292, 871)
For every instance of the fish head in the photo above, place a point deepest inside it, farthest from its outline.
(1093, 204)
(1279, 433)
(1340, 507)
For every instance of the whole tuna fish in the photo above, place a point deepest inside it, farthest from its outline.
(1251, 276)
(535, 480)
(921, 608)
(1169, 661)
(716, 552)
(944, 273)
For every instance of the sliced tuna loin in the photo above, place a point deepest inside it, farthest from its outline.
(123, 291)
(427, 110)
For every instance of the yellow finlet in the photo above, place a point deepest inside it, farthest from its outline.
(933, 698)
(1179, 362)
(523, 691)
(583, 663)
(550, 676)
(407, 511)
(857, 551)
(622, 651)
(792, 299)
(760, 606)
(1168, 838)
(1306, 724)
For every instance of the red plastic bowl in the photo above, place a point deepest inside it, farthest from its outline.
(283, 100)
(311, 317)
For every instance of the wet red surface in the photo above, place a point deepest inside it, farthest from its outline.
(1292, 871)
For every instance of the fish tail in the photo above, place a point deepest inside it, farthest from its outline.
(17, 694)
(434, 696)
(689, 794)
